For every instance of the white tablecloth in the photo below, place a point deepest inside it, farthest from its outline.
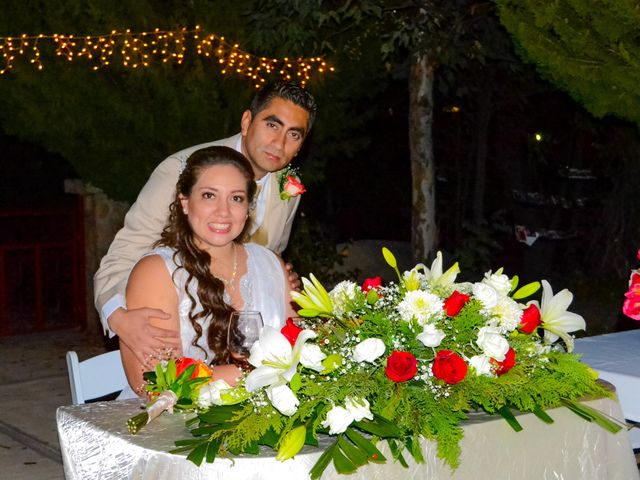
(95, 444)
(616, 357)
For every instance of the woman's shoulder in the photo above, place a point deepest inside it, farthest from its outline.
(148, 267)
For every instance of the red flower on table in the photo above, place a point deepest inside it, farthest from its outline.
(455, 302)
(507, 364)
(401, 366)
(183, 364)
(449, 366)
(530, 319)
(371, 283)
(291, 331)
(201, 370)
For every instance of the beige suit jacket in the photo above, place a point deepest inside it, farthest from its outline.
(147, 217)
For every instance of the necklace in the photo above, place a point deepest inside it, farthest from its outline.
(230, 283)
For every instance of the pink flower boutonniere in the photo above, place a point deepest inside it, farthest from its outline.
(290, 184)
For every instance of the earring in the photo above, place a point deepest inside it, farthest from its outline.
(184, 211)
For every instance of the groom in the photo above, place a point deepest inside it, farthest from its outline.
(272, 132)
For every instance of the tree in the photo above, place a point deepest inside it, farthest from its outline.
(413, 37)
(589, 49)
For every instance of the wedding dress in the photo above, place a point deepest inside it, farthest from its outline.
(262, 289)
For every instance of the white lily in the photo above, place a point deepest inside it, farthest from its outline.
(556, 320)
(436, 277)
(275, 360)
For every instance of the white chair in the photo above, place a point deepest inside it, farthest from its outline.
(95, 377)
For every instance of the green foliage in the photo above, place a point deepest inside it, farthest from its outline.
(589, 49)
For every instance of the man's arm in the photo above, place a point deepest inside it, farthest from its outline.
(143, 225)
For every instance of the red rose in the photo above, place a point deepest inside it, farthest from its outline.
(293, 187)
(508, 362)
(369, 283)
(530, 319)
(631, 305)
(183, 364)
(449, 366)
(291, 331)
(401, 366)
(455, 302)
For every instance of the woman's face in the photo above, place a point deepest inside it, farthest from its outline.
(218, 206)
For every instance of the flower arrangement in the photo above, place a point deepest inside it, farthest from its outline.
(173, 384)
(397, 363)
(289, 183)
(631, 305)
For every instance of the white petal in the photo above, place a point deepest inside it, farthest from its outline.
(261, 377)
(275, 346)
(283, 399)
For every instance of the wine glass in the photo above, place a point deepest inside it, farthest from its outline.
(243, 332)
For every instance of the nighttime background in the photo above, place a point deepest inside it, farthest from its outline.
(521, 138)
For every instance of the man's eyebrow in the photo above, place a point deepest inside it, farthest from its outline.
(275, 119)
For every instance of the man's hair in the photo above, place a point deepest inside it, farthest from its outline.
(288, 91)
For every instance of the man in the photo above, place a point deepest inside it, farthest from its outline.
(273, 130)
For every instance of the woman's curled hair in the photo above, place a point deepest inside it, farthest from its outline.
(179, 236)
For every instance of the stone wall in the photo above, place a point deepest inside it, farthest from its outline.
(103, 218)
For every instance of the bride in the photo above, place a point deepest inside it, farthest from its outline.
(201, 271)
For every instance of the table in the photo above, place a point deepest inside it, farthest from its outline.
(616, 357)
(95, 444)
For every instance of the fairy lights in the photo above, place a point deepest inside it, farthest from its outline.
(141, 50)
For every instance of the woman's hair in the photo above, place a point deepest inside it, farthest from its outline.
(178, 235)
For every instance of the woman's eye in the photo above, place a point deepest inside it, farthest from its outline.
(207, 195)
(238, 198)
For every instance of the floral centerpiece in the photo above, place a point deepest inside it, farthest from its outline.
(397, 363)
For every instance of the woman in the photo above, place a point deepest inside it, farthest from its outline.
(201, 272)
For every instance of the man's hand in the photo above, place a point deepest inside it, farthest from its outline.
(293, 278)
(147, 341)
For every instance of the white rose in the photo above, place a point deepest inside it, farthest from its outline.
(311, 357)
(283, 399)
(209, 394)
(492, 343)
(500, 283)
(431, 336)
(368, 350)
(486, 294)
(359, 408)
(338, 420)
(482, 364)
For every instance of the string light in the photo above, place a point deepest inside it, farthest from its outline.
(141, 50)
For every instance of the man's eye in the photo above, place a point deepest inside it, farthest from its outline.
(296, 135)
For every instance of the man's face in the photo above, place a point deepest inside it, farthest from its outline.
(274, 136)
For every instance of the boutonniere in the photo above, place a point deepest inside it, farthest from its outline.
(290, 184)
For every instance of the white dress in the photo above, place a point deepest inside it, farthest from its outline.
(262, 289)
